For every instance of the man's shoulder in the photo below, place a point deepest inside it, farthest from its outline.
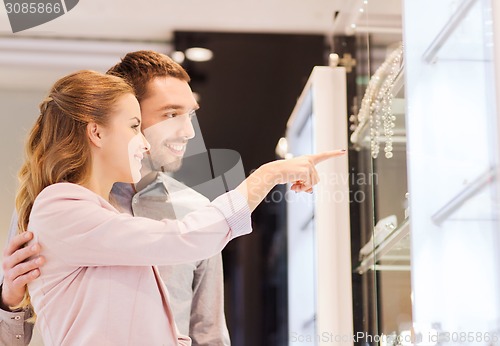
(121, 195)
(123, 189)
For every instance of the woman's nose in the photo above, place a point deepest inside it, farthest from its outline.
(147, 146)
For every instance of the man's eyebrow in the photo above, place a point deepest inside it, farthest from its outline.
(176, 107)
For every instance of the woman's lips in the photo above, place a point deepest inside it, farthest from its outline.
(139, 157)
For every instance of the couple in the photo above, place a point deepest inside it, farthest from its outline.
(100, 284)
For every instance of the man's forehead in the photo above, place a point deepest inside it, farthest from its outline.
(167, 82)
(168, 88)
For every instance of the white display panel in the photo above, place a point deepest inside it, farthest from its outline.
(452, 161)
(319, 257)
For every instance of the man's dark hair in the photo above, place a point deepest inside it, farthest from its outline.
(139, 68)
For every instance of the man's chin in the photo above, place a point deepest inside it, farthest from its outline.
(172, 167)
(162, 162)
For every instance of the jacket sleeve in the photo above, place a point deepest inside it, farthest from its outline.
(14, 330)
(72, 224)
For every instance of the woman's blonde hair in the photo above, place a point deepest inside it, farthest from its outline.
(58, 148)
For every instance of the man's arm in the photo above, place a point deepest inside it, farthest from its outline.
(14, 330)
(18, 272)
(208, 323)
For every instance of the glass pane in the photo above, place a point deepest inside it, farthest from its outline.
(301, 236)
(452, 149)
(384, 257)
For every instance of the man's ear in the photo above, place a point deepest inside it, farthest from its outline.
(94, 134)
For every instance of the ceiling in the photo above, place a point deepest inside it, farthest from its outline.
(156, 19)
(96, 33)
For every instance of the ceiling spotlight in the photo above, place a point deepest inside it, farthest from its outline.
(198, 54)
(178, 56)
(333, 60)
(282, 148)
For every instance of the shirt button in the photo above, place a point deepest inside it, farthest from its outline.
(19, 336)
(134, 200)
(17, 318)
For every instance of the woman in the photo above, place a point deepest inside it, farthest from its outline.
(87, 138)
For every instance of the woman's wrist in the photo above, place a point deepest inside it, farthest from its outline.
(256, 187)
(271, 173)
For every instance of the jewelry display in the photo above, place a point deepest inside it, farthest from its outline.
(376, 105)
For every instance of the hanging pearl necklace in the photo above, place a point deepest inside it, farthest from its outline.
(376, 106)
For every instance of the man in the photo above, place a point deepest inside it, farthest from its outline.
(196, 289)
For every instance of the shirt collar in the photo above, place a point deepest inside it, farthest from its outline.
(147, 180)
(152, 181)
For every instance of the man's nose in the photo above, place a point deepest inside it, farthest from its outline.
(187, 129)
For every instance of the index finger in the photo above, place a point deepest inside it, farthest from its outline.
(317, 158)
(17, 242)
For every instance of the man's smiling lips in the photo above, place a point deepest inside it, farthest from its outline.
(176, 149)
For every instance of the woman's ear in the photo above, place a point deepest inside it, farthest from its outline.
(94, 134)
